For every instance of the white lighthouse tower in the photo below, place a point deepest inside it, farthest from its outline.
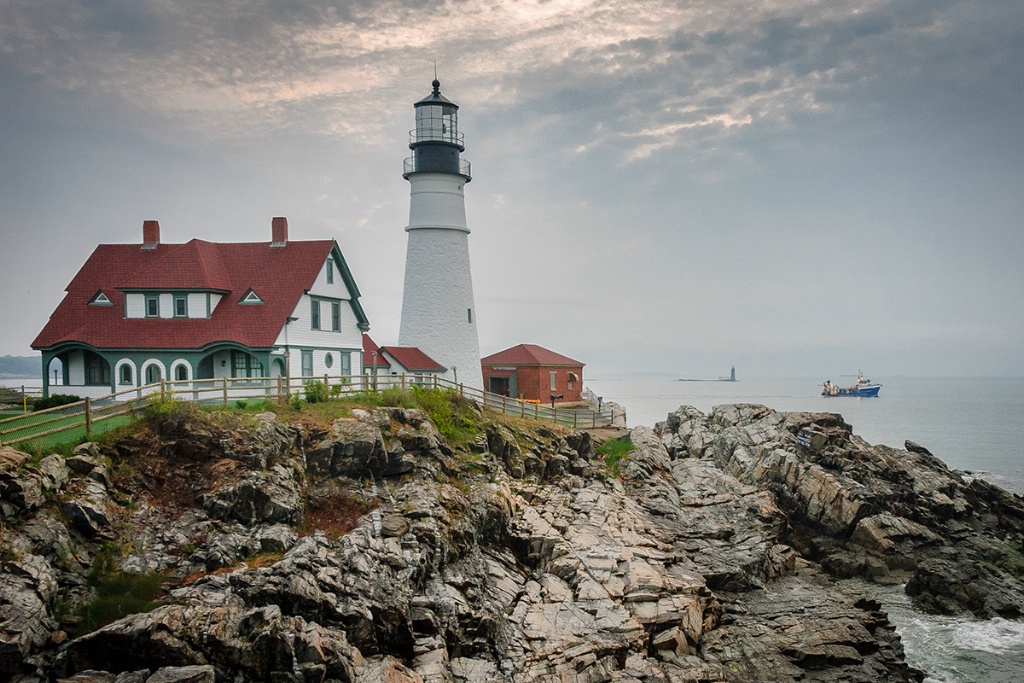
(438, 315)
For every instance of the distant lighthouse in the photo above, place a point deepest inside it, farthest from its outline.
(438, 315)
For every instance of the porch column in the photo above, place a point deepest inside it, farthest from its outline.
(46, 373)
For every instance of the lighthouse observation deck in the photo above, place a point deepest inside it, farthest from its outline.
(437, 132)
(410, 166)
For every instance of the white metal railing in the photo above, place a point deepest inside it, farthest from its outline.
(409, 166)
(91, 412)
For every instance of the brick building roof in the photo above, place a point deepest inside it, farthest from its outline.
(529, 354)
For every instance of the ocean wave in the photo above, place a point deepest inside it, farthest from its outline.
(996, 636)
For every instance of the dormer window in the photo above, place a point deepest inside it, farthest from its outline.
(100, 299)
(180, 306)
(152, 306)
(250, 297)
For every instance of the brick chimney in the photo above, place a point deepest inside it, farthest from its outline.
(279, 231)
(150, 234)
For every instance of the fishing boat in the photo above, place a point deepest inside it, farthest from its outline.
(863, 387)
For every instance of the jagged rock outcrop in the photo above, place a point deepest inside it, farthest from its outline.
(872, 511)
(371, 550)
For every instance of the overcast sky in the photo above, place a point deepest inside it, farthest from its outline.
(791, 187)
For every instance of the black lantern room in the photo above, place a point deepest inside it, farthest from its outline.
(436, 142)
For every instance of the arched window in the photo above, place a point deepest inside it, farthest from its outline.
(126, 374)
(153, 374)
(181, 373)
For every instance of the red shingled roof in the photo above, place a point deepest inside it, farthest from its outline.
(193, 265)
(528, 354)
(369, 346)
(278, 275)
(413, 359)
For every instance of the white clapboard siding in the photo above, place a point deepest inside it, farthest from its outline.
(135, 305)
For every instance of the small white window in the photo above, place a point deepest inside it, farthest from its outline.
(330, 272)
(250, 297)
(152, 306)
(554, 380)
(100, 299)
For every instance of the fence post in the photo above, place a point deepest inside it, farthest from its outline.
(88, 416)
(225, 391)
(162, 389)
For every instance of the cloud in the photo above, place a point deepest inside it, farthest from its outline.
(707, 156)
(230, 69)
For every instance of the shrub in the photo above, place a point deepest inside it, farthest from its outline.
(436, 404)
(166, 406)
(54, 400)
(453, 414)
(316, 391)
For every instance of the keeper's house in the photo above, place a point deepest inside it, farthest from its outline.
(533, 373)
(138, 313)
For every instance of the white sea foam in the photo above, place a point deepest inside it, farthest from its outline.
(951, 649)
(996, 636)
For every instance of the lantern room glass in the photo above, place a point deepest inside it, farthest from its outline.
(437, 122)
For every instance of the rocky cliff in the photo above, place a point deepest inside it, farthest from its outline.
(370, 549)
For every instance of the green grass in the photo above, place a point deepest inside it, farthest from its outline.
(72, 429)
(393, 397)
(614, 451)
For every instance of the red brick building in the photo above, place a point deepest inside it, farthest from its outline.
(533, 373)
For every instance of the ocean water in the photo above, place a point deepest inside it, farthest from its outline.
(972, 424)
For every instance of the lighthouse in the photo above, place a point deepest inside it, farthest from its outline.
(438, 315)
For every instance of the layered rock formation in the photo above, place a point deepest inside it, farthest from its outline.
(373, 551)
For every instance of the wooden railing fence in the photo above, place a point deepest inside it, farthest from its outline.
(93, 415)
